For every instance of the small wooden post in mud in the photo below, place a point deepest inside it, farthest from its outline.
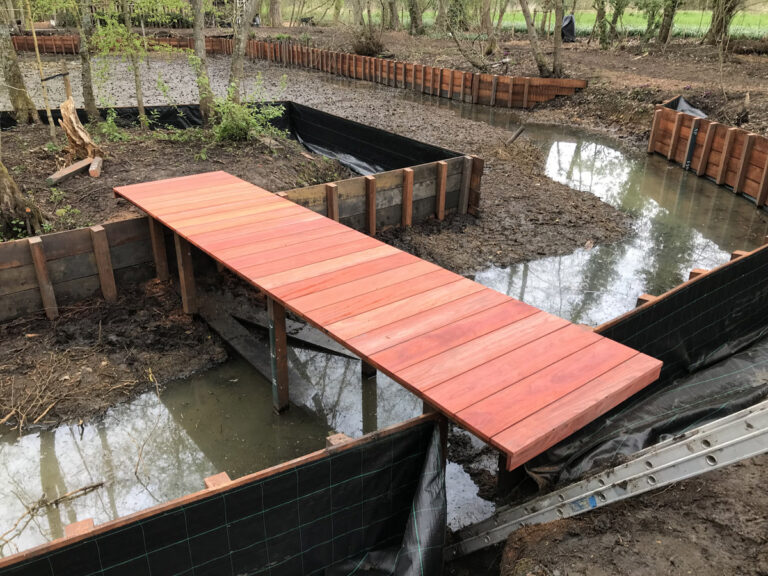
(370, 398)
(332, 201)
(186, 274)
(43, 279)
(407, 197)
(370, 203)
(104, 263)
(278, 350)
(157, 235)
(440, 183)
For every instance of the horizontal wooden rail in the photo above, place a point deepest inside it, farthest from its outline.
(486, 89)
(728, 156)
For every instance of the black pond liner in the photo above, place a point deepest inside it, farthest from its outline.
(364, 149)
(378, 508)
(710, 334)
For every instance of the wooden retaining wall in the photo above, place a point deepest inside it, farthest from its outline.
(488, 89)
(729, 156)
(44, 272)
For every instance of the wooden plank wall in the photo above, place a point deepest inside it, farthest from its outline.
(74, 271)
(488, 89)
(353, 207)
(77, 266)
(729, 156)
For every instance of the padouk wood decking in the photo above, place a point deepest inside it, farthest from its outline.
(517, 377)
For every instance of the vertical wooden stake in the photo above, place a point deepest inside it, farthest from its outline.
(675, 135)
(442, 177)
(186, 274)
(370, 398)
(439, 87)
(423, 79)
(473, 198)
(332, 201)
(278, 349)
(725, 155)
(701, 170)
(43, 279)
(654, 131)
(104, 263)
(466, 176)
(370, 203)
(511, 91)
(407, 197)
(494, 86)
(526, 88)
(749, 142)
(463, 84)
(413, 77)
(157, 236)
(762, 193)
(475, 88)
(693, 136)
(450, 84)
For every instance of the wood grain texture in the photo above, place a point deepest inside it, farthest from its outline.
(484, 359)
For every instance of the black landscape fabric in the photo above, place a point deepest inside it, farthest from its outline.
(376, 508)
(363, 149)
(710, 335)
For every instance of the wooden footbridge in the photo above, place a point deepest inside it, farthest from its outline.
(515, 376)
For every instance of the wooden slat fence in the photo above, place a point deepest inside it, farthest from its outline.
(729, 156)
(487, 89)
(73, 265)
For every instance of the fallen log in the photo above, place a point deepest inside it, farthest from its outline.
(68, 172)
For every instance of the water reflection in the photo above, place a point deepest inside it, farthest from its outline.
(681, 222)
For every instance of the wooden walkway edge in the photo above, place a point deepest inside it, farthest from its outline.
(515, 376)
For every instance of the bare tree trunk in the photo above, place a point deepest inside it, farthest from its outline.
(417, 26)
(668, 18)
(244, 10)
(134, 58)
(485, 17)
(24, 110)
(538, 55)
(357, 12)
(337, 6)
(15, 210)
(442, 15)
(86, 78)
(600, 22)
(394, 20)
(557, 51)
(722, 14)
(201, 61)
(275, 17)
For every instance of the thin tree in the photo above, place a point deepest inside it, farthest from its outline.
(134, 48)
(667, 20)
(601, 24)
(200, 61)
(275, 17)
(417, 26)
(538, 55)
(85, 27)
(557, 51)
(723, 12)
(15, 209)
(394, 19)
(442, 15)
(24, 110)
(244, 11)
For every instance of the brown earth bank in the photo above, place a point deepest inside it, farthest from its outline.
(625, 82)
(133, 155)
(713, 524)
(96, 355)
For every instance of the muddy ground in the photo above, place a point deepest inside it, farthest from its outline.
(523, 214)
(96, 355)
(133, 155)
(624, 83)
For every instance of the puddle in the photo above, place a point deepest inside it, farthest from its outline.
(154, 449)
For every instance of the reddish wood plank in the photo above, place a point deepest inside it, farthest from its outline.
(503, 409)
(452, 335)
(357, 325)
(372, 283)
(361, 303)
(477, 384)
(555, 422)
(255, 244)
(232, 222)
(224, 213)
(244, 232)
(273, 281)
(362, 270)
(425, 321)
(294, 262)
(450, 364)
(292, 251)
